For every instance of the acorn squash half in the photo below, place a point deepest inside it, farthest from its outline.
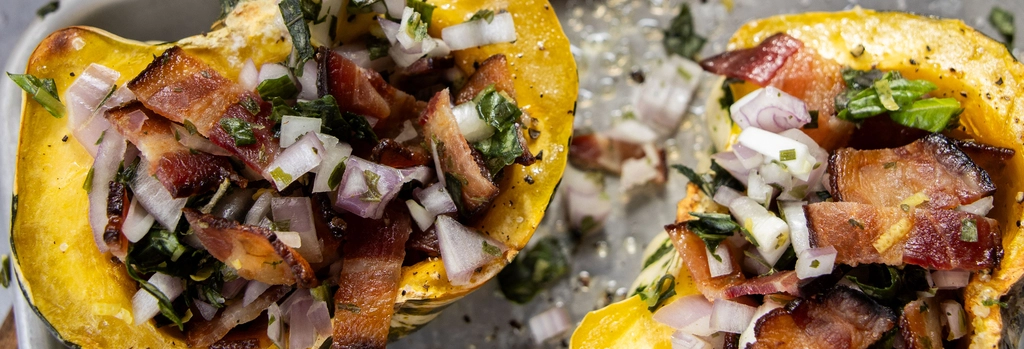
(86, 297)
(964, 64)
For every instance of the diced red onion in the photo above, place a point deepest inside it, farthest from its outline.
(719, 267)
(770, 109)
(979, 207)
(797, 221)
(725, 195)
(632, 131)
(419, 214)
(662, 99)
(472, 126)
(320, 317)
(155, 198)
(404, 57)
(275, 327)
(951, 279)
(732, 164)
(395, 8)
(408, 132)
(331, 159)
(479, 32)
(955, 317)
(233, 287)
(753, 265)
(259, 209)
(771, 145)
(390, 28)
(355, 194)
(747, 336)
(436, 200)
(145, 306)
(297, 298)
(252, 291)
(758, 190)
(637, 172)
(360, 55)
(684, 311)
(770, 232)
(307, 82)
(550, 324)
(289, 238)
(293, 127)
(814, 180)
(298, 212)
(249, 76)
(270, 71)
(814, 262)
(463, 250)
(422, 174)
(301, 333)
(440, 49)
(748, 157)
(295, 161)
(729, 316)
(83, 98)
(206, 310)
(197, 142)
(683, 340)
(104, 168)
(137, 223)
(775, 174)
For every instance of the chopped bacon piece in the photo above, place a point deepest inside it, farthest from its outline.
(391, 153)
(425, 242)
(840, 318)
(757, 64)
(988, 157)
(694, 253)
(920, 326)
(933, 239)
(933, 166)
(182, 171)
(457, 157)
(423, 78)
(370, 277)
(181, 87)
(117, 211)
(492, 71)
(266, 147)
(362, 91)
(598, 152)
(254, 252)
(782, 282)
(201, 333)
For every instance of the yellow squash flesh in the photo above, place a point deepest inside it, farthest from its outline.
(964, 64)
(86, 297)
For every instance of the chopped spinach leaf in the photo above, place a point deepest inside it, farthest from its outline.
(166, 307)
(282, 87)
(680, 38)
(302, 50)
(900, 98)
(239, 130)
(932, 114)
(531, 271)
(346, 126)
(43, 91)
(499, 111)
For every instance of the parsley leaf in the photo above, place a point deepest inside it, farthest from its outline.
(680, 37)
(43, 91)
(238, 129)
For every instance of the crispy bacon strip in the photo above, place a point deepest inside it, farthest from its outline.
(929, 238)
(117, 211)
(368, 285)
(757, 64)
(988, 157)
(255, 252)
(932, 165)
(264, 150)
(840, 318)
(391, 153)
(362, 91)
(201, 333)
(330, 227)
(817, 81)
(492, 71)
(457, 157)
(693, 251)
(782, 282)
(919, 324)
(182, 171)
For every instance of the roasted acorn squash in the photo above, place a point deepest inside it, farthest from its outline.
(965, 64)
(85, 296)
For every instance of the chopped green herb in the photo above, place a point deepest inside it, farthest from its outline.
(102, 135)
(190, 127)
(372, 193)
(855, 223)
(1002, 20)
(88, 180)
(43, 91)
(336, 175)
(662, 250)
(278, 175)
(728, 99)
(710, 182)
(876, 280)
(281, 87)
(378, 47)
(813, 124)
(680, 37)
(889, 165)
(988, 302)
(166, 307)
(485, 14)
(310, 11)
(815, 263)
(125, 174)
(900, 98)
(531, 271)
(684, 74)
(787, 155)
(660, 291)
(302, 50)
(713, 228)
(250, 104)
(491, 249)
(113, 88)
(5, 271)
(239, 130)
(499, 111)
(48, 9)
(425, 10)
(348, 127)
(885, 95)
(932, 114)
(969, 230)
(823, 195)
